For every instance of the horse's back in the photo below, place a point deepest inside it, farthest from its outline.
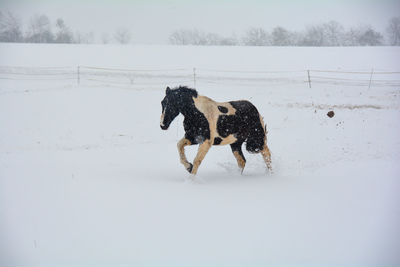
(234, 121)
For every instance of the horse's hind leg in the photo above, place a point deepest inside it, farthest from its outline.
(181, 149)
(266, 154)
(237, 152)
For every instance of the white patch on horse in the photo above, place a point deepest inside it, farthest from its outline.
(210, 110)
(162, 119)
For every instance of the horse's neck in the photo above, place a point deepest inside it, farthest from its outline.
(188, 110)
(197, 106)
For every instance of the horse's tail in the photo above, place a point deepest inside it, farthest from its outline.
(257, 135)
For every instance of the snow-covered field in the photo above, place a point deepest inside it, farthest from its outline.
(88, 178)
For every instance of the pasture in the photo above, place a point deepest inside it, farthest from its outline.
(87, 177)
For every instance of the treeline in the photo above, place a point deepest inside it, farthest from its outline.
(41, 30)
(327, 34)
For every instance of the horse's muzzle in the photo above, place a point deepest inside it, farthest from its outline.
(164, 127)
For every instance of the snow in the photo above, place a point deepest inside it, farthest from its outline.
(87, 177)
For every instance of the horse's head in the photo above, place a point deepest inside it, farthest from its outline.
(169, 109)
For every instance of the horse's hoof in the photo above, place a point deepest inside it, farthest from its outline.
(190, 168)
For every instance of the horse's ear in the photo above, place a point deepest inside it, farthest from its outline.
(167, 90)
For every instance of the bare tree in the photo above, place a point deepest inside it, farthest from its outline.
(194, 37)
(229, 41)
(327, 34)
(281, 37)
(351, 36)
(297, 38)
(333, 33)
(393, 31)
(370, 37)
(179, 37)
(256, 37)
(63, 35)
(10, 28)
(212, 39)
(39, 30)
(216, 39)
(105, 38)
(84, 38)
(122, 36)
(314, 36)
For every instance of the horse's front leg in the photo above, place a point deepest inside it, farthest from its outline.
(181, 149)
(201, 153)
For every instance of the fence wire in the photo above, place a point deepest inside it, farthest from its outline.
(91, 75)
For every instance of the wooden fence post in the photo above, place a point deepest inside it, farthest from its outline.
(370, 78)
(309, 78)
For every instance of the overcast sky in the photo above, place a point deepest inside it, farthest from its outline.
(152, 21)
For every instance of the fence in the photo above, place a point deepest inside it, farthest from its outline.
(193, 76)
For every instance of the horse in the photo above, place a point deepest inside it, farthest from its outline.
(207, 123)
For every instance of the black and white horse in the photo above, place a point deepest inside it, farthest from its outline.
(210, 123)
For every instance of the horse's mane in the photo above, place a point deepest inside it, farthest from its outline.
(186, 90)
